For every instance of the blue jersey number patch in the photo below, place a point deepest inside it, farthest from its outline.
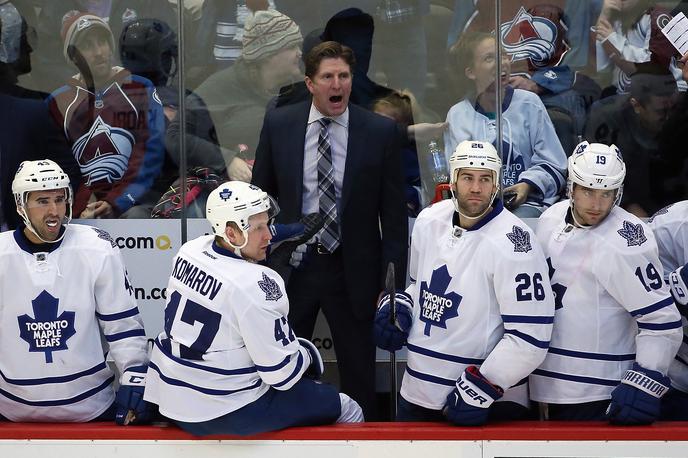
(526, 288)
(192, 313)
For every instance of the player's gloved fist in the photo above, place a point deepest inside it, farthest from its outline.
(468, 403)
(299, 257)
(316, 367)
(678, 279)
(131, 408)
(637, 399)
(391, 336)
(286, 232)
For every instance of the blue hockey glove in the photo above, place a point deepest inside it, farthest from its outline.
(316, 368)
(131, 408)
(678, 279)
(392, 336)
(637, 399)
(468, 404)
(286, 232)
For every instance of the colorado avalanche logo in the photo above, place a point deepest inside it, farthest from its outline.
(436, 304)
(529, 37)
(633, 233)
(47, 332)
(520, 239)
(270, 288)
(103, 153)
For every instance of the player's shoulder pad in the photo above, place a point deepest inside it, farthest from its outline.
(627, 233)
(90, 237)
(676, 213)
(263, 282)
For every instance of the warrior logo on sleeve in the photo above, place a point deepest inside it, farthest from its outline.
(47, 332)
(436, 304)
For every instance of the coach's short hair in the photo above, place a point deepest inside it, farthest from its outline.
(328, 50)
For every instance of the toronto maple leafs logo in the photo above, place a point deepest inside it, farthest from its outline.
(47, 332)
(225, 194)
(270, 288)
(436, 304)
(557, 288)
(661, 211)
(633, 233)
(105, 235)
(520, 239)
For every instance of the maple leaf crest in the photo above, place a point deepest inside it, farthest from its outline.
(436, 304)
(270, 288)
(47, 332)
(520, 239)
(661, 211)
(557, 288)
(105, 235)
(633, 233)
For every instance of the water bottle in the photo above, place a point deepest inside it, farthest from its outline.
(438, 164)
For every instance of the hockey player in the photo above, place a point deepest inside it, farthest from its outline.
(478, 313)
(228, 361)
(60, 283)
(670, 226)
(616, 327)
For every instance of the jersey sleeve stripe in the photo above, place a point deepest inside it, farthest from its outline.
(296, 372)
(118, 316)
(60, 402)
(576, 378)
(443, 356)
(276, 367)
(209, 391)
(166, 350)
(48, 380)
(654, 307)
(527, 338)
(430, 378)
(125, 335)
(528, 319)
(660, 326)
(589, 355)
(411, 279)
(553, 173)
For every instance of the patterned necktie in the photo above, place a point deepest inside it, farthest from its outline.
(329, 234)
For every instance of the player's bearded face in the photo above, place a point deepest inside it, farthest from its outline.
(474, 188)
(591, 206)
(46, 210)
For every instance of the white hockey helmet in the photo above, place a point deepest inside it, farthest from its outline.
(237, 201)
(471, 154)
(43, 175)
(597, 166)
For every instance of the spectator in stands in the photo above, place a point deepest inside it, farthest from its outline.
(628, 33)
(616, 328)
(363, 206)
(399, 106)
(533, 159)
(112, 119)
(248, 373)
(236, 98)
(634, 122)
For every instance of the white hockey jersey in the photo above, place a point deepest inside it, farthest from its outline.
(670, 226)
(612, 306)
(481, 297)
(52, 362)
(226, 336)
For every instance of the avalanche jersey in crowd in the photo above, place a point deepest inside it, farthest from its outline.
(53, 306)
(670, 226)
(531, 150)
(612, 306)
(116, 136)
(481, 297)
(226, 338)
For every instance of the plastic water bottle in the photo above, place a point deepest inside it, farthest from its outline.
(438, 164)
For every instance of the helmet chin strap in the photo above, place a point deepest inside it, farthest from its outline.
(484, 212)
(29, 226)
(235, 248)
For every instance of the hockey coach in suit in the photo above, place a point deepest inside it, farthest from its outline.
(328, 156)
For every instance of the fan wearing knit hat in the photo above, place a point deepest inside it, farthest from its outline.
(89, 44)
(236, 97)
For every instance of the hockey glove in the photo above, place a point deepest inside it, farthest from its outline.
(637, 399)
(468, 404)
(288, 238)
(678, 279)
(316, 368)
(392, 336)
(131, 408)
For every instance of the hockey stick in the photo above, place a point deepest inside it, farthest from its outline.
(390, 288)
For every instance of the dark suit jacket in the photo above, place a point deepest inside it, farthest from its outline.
(373, 224)
(27, 133)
